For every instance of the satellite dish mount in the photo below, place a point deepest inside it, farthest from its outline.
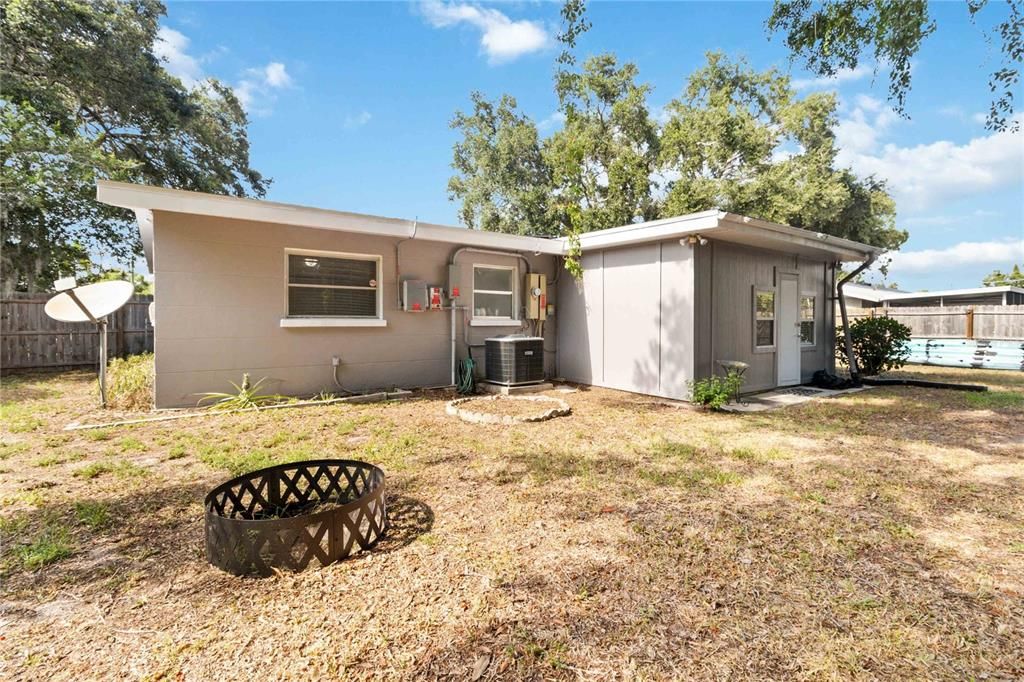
(90, 303)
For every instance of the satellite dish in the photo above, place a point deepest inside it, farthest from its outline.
(94, 301)
(91, 303)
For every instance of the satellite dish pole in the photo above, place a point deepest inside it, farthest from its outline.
(90, 303)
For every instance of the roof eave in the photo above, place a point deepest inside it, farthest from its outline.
(146, 199)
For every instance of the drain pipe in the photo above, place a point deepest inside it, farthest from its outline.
(851, 359)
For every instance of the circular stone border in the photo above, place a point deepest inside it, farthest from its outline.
(246, 533)
(454, 408)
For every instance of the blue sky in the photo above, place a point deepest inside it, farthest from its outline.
(350, 104)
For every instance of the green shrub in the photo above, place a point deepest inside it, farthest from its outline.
(130, 384)
(247, 396)
(716, 392)
(879, 343)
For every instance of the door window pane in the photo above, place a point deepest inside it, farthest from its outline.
(807, 320)
(764, 318)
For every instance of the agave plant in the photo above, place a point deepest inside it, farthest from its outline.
(247, 396)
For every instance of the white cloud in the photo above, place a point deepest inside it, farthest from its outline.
(841, 76)
(276, 76)
(170, 48)
(502, 39)
(555, 120)
(926, 174)
(869, 120)
(965, 253)
(357, 120)
(256, 90)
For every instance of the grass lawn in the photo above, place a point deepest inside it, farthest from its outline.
(878, 535)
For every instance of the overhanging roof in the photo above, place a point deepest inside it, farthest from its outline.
(713, 224)
(729, 227)
(144, 199)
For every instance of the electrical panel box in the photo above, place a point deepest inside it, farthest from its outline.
(436, 293)
(414, 295)
(455, 290)
(536, 296)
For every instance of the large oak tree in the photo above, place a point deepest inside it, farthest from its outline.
(85, 98)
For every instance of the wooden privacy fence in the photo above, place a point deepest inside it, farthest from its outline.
(956, 322)
(29, 339)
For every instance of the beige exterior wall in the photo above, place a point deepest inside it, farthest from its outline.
(221, 297)
(725, 276)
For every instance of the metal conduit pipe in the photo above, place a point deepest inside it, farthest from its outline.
(850, 357)
(451, 262)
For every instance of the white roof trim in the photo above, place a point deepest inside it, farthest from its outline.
(145, 198)
(739, 229)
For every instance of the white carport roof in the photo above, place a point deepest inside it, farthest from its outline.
(714, 224)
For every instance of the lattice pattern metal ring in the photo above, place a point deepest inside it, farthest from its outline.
(288, 515)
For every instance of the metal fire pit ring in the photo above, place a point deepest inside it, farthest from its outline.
(286, 516)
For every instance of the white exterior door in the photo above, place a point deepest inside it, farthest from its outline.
(789, 331)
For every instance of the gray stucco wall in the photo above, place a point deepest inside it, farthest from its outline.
(629, 323)
(220, 297)
(725, 276)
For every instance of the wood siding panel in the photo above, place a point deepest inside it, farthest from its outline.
(730, 272)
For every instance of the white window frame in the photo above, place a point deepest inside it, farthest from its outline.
(814, 320)
(290, 320)
(755, 290)
(493, 320)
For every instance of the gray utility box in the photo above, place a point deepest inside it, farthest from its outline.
(415, 297)
(513, 360)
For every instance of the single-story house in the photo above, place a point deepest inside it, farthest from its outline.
(303, 295)
(865, 296)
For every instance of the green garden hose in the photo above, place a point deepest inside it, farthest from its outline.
(465, 384)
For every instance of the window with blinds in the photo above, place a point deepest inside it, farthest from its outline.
(333, 286)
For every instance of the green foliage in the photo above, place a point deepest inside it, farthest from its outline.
(879, 344)
(714, 391)
(840, 34)
(93, 515)
(143, 286)
(995, 400)
(998, 278)
(730, 139)
(246, 396)
(735, 139)
(52, 545)
(86, 98)
(131, 382)
(502, 179)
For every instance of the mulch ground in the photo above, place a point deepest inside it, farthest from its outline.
(876, 535)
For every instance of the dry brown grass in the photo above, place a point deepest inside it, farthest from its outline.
(879, 535)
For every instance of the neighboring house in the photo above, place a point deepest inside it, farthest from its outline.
(863, 296)
(279, 290)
